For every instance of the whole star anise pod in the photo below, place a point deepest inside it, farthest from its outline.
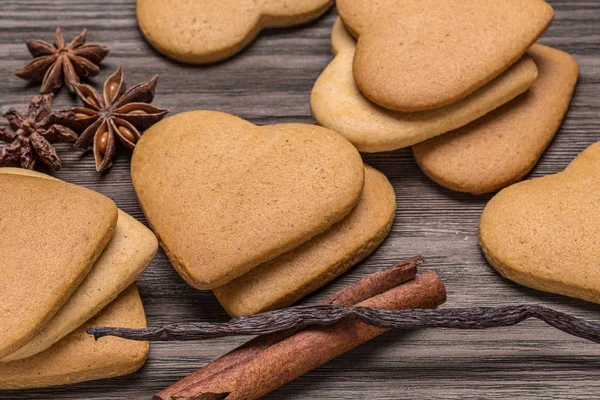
(120, 113)
(32, 135)
(60, 64)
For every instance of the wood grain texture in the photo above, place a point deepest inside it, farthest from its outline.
(270, 82)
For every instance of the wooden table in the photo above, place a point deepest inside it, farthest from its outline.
(270, 83)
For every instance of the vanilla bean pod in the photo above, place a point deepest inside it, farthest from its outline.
(302, 317)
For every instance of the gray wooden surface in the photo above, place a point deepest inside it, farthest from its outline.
(269, 83)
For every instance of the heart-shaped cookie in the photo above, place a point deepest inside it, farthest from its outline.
(422, 55)
(224, 195)
(78, 357)
(206, 31)
(51, 234)
(502, 147)
(292, 276)
(130, 250)
(337, 103)
(545, 233)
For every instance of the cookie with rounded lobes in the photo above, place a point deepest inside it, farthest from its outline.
(78, 357)
(129, 252)
(502, 147)
(337, 103)
(51, 234)
(545, 233)
(207, 31)
(224, 195)
(422, 55)
(292, 276)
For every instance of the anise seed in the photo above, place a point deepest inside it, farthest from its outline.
(90, 99)
(137, 112)
(127, 134)
(112, 91)
(103, 141)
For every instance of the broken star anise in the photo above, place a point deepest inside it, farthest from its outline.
(30, 136)
(62, 64)
(120, 113)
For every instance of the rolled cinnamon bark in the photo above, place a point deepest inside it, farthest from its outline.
(371, 285)
(376, 283)
(290, 358)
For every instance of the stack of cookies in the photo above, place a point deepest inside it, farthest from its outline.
(261, 215)
(69, 260)
(461, 81)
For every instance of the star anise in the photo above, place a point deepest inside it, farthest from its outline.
(60, 64)
(32, 135)
(123, 113)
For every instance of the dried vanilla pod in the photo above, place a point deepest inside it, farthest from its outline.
(61, 64)
(121, 113)
(301, 317)
(31, 136)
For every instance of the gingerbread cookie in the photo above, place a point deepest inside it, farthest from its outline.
(545, 233)
(502, 147)
(292, 276)
(51, 234)
(422, 55)
(337, 103)
(78, 357)
(207, 31)
(225, 196)
(129, 252)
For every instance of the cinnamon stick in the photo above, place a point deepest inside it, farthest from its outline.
(376, 283)
(287, 359)
(371, 285)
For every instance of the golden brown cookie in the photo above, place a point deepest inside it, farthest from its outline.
(502, 147)
(224, 195)
(207, 31)
(292, 276)
(130, 250)
(422, 55)
(78, 357)
(545, 233)
(51, 234)
(337, 103)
